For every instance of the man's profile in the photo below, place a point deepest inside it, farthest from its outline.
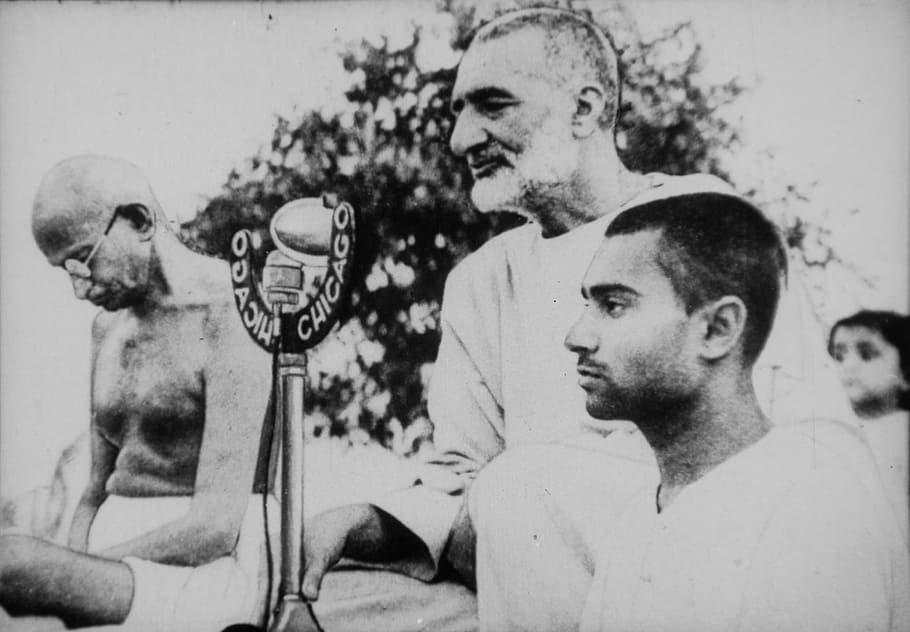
(167, 534)
(749, 525)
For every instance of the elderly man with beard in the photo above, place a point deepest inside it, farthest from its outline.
(535, 100)
(167, 535)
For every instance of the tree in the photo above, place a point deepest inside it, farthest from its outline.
(386, 152)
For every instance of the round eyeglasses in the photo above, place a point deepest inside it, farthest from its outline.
(79, 269)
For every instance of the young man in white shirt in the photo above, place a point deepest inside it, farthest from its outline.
(749, 525)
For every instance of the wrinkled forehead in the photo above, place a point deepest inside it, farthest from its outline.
(507, 61)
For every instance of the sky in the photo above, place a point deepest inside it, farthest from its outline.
(187, 91)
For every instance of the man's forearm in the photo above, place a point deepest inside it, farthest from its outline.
(183, 542)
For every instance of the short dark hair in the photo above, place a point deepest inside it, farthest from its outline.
(713, 245)
(568, 37)
(893, 327)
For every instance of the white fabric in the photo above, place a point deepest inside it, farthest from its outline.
(359, 599)
(793, 533)
(889, 438)
(503, 377)
(210, 597)
(539, 512)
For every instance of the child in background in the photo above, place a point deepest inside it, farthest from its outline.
(872, 350)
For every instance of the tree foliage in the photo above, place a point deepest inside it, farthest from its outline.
(387, 153)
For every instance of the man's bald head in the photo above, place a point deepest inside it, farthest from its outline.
(77, 198)
(577, 52)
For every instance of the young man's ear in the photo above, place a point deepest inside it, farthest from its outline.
(142, 219)
(589, 106)
(723, 323)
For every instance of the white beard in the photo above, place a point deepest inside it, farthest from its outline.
(549, 161)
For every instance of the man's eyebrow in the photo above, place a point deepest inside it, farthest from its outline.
(489, 92)
(603, 290)
(479, 95)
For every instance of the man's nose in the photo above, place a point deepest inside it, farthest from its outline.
(81, 287)
(468, 132)
(580, 338)
(850, 362)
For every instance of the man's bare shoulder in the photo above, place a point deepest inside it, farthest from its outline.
(201, 290)
(205, 281)
(213, 294)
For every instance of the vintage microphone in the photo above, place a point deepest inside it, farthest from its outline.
(304, 283)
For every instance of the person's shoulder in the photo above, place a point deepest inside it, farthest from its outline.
(824, 453)
(832, 485)
(211, 283)
(491, 259)
(823, 440)
(833, 436)
(201, 289)
(659, 186)
(199, 284)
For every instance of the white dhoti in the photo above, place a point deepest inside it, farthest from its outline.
(205, 598)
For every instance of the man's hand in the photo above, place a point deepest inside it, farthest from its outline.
(361, 532)
(323, 543)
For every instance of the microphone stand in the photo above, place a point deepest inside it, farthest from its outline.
(287, 325)
(293, 612)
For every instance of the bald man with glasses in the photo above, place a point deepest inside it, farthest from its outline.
(167, 535)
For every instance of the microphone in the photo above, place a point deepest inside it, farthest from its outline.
(302, 229)
(304, 281)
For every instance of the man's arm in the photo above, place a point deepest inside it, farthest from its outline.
(237, 379)
(104, 455)
(465, 407)
(465, 403)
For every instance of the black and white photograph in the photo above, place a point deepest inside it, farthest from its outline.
(455, 315)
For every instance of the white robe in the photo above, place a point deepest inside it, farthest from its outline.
(503, 377)
(889, 438)
(793, 533)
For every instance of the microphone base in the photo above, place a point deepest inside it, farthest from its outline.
(294, 616)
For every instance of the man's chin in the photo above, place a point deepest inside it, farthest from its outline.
(108, 304)
(496, 193)
(111, 303)
(604, 412)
